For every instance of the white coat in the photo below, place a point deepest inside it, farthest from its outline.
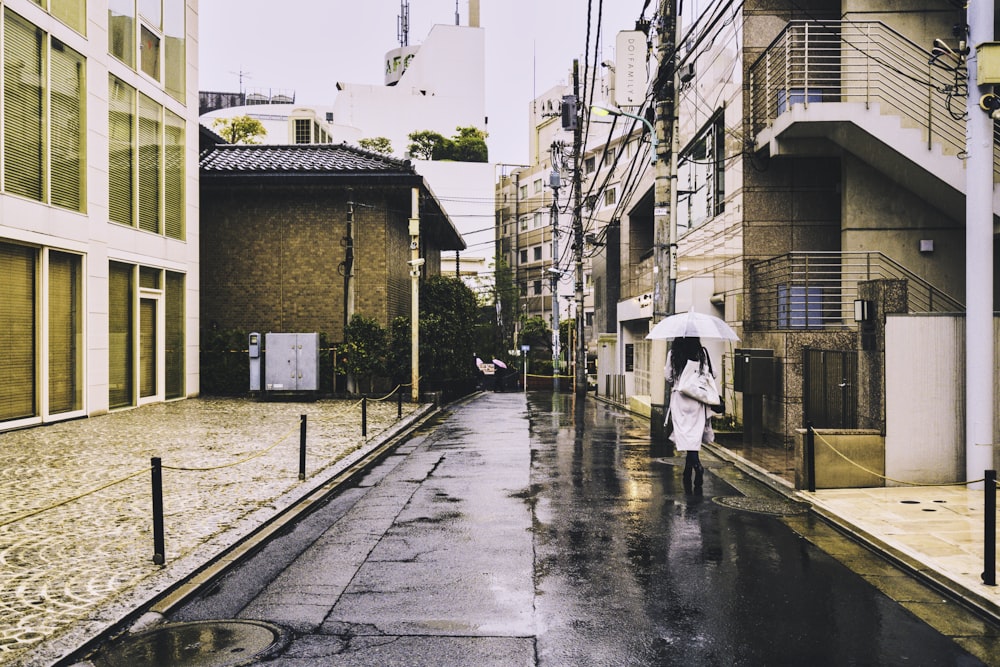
(690, 417)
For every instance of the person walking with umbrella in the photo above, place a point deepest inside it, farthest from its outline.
(690, 418)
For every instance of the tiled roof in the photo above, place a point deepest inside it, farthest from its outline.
(299, 158)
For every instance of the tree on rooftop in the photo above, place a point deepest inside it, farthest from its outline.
(376, 145)
(240, 129)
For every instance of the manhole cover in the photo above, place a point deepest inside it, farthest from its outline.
(762, 505)
(195, 644)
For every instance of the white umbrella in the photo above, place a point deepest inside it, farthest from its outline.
(692, 325)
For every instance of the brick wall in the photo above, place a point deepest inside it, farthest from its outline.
(270, 256)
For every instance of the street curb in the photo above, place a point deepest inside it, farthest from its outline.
(162, 592)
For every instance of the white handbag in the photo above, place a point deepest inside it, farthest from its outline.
(697, 383)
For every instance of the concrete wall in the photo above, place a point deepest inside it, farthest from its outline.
(925, 397)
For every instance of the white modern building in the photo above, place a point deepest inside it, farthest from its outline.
(98, 207)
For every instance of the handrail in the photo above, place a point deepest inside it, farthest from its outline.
(813, 62)
(816, 290)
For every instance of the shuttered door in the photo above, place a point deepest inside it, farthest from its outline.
(17, 332)
(120, 335)
(23, 105)
(66, 133)
(175, 335)
(149, 164)
(121, 156)
(65, 387)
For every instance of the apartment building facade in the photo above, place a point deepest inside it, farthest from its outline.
(98, 216)
(820, 190)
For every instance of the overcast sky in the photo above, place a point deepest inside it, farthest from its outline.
(306, 46)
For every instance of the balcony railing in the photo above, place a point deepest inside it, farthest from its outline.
(816, 290)
(813, 62)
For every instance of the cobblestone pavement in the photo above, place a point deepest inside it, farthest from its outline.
(76, 539)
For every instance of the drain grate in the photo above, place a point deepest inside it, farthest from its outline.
(770, 506)
(227, 643)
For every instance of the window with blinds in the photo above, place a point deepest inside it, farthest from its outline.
(120, 335)
(173, 175)
(66, 134)
(65, 333)
(174, 358)
(121, 152)
(23, 106)
(43, 135)
(149, 164)
(17, 331)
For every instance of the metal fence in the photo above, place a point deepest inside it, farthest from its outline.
(816, 290)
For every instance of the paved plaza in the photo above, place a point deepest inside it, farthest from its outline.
(76, 534)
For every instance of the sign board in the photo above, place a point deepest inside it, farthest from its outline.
(631, 72)
(396, 62)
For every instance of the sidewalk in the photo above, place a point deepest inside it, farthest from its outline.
(76, 540)
(936, 531)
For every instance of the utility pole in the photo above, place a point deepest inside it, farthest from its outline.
(554, 273)
(581, 341)
(664, 243)
(979, 356)
(415, 263)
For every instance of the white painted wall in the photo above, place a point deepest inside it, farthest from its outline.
(925, 403)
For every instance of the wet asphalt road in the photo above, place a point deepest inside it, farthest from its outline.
(538, 531)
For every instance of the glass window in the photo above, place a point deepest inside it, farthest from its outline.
(121, 30)
(173, 175)
(701, 177)
(121, 148)
(152, 11)
(524, 256)
(66, 135)
(539, 221)
(65, 331)
(174, 51)
(71, 12)
(302, 126)
(150, 185)
(174, 357)
(17, 315)
(149, 53)
(536, 287)
(23, 105)
(120, 335)
(537, 185)
(537, 253)
(610, 197)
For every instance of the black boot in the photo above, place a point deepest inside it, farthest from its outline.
(699, 476)
(688, 470)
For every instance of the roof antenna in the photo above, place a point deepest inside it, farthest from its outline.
(456, 13)
(403, 23)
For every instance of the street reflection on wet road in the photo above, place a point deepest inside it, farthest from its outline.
(630, 569)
